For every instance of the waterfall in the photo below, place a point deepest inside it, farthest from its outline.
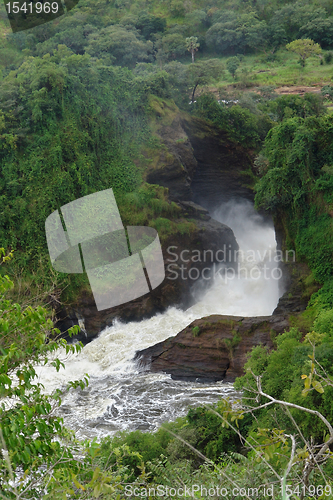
(121, 397)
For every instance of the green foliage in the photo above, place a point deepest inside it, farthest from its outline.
(177, 8)
(232, 65)
(323, 299)
(153, 446)
(241, 125)
(232, 33)
(328, 56)
(28, 427)
(149, 25)
(298, 152)
(214, 438)
(119, 45)
(222, 28)
(282, 378)
(38, 455)
(297, 20)
(323, 324)
(304, 48)
(147, 446)
(79, 138)
(289, 106)
(202, 428)
(327, 92)
(170, 46)
(195, 331)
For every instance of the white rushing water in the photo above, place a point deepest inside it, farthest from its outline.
(119, 396)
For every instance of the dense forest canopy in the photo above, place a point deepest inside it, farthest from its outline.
(129, 32)
(75, 92)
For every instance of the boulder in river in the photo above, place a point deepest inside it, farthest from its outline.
(212, 348)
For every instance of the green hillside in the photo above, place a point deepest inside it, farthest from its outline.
(82, 100)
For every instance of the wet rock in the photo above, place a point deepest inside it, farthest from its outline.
(212, 348)
(185, 257)
(224, 168)
(176, 164)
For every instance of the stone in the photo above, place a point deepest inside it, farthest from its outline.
(206, 235)
(212, 348)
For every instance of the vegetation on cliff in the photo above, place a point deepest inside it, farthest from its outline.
(79, 99)
(75, 97)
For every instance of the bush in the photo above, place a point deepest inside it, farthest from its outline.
(328, 56)
(281, 377)
(195, 331)
(29, 429)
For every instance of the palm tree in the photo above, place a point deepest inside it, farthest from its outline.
(192, 45)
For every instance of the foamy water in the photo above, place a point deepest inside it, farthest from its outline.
(119, 396)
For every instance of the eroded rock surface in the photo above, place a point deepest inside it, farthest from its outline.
(207, 234)
(212, 348)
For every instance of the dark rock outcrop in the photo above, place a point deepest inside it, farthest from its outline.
(212, 348)
(176, 164)
(183, 268)
(216, 347)
(199, 163)
(223, 167)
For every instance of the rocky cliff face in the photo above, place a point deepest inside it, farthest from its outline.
(194, 159)
(212, 348)
(216, 347)
(184, 258)
(201, 164)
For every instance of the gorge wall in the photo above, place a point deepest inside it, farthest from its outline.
(194, 158)
(197, 163)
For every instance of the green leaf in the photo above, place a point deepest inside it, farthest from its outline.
(317, 386)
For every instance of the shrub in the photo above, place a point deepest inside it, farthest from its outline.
(195, 331)
(328, 56)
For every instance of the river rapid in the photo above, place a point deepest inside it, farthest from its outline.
(121, 395)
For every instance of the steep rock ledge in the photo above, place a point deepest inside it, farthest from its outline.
(212, 348)
(216, 347)
(198, 162)
(224, 168)
(208, 234)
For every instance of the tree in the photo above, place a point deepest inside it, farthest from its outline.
(232, 65)
(170, 46)
(304, 48)
(149, 25)
(223, 37)
(119, 45)
(202, 73)
(235, 34)
(192, 45)
(196, 21)
(177, 8)
(28, 426)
